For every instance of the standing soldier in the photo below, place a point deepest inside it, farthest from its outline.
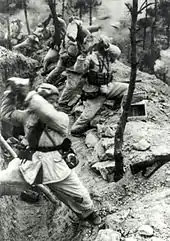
(71, 48)
(52, 55)
(100, 86)
(46, 132)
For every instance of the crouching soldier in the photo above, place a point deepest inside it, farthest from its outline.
(29, 45)
(41, 161)
(99, 86)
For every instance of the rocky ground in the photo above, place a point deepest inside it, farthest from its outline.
(134, 201)
(135, 208)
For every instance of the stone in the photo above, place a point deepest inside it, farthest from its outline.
(146, 230)
(99, 150)
(162, 150)
(97, 120)
(91, 139)
(141, 145)
(104, 168)
(157, 239)
(109, 132)
(107, 143)
(130, 239)
(108, 235)
(109, 154)
(100, 129)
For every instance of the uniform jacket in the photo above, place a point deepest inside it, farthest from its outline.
(56, 124)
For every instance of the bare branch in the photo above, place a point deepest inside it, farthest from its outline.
(129, 6)
(143, 4)
(144, 7)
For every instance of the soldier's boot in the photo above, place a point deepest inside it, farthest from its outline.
(79, 131)
(94, 218)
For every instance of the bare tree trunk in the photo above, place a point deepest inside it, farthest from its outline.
(144, 30)
(80, 12)
(153, 29)
(90, 13)
(52, 6)
(123, 118)
(9, 45)
(168, 35)
(26, 16)
(63, 8)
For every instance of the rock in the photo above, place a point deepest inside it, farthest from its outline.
(146, 230)
(91, 139)
(100, 129)
(109, 154)
(108, 235)
(162, 150)
(96, 120)
(99, 150)
(142, 145)
(109, 132)
(130, 239)
(157, 239)
(107, 143)
(104, 168)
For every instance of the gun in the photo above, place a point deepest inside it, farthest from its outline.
(43, 188)
(142, 166)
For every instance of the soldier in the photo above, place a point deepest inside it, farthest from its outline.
(42, 31)
(46, 130)
(74, 82)
(16, 34)
(100, 85)
(71, 48)
(30, 44)
(52, 55)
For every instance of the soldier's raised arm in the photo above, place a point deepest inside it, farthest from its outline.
(47, 113)
(16, 91)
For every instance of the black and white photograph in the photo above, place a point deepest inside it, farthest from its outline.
(84, 120)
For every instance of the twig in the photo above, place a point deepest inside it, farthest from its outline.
(143, 8)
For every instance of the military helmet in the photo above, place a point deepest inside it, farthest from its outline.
(46, 90)
(115, 52)
(103, 42)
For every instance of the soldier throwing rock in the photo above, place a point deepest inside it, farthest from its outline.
(41, 161)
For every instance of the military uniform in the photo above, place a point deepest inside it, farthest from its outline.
(71, 47)
(52, 55)
(30, 44)
(99, 86)
(63, 181)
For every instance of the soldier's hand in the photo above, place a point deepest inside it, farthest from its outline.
(30, 96)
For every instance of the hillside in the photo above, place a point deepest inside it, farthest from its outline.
(133, 209)
(125, 206)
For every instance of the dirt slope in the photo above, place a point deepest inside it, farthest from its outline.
(134, 200)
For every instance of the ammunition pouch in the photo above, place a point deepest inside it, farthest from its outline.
(68, 154)
(90, 91)
(97, 78)
(26, 153)
(64, 149)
